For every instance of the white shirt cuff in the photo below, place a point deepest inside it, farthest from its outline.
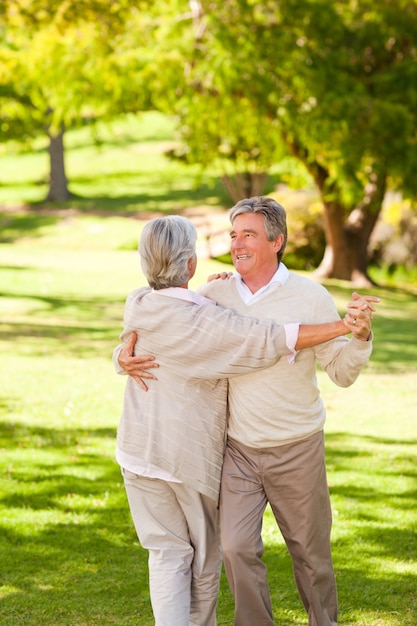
(291, 336)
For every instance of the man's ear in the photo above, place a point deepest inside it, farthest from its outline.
(279, 241)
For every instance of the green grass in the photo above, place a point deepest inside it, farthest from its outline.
(69, 555)
(113, 168)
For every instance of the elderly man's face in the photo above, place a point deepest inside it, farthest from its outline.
(253, 255)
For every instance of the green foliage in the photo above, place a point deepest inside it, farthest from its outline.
(334, 82)
(331, 84)
(64, 62)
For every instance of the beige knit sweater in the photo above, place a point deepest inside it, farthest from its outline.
(283, 404)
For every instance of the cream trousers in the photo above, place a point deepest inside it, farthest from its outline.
(180, 529)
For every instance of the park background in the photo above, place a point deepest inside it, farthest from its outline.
(113, 113)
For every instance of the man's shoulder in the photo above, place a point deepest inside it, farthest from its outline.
(299, 281)
(217, 286)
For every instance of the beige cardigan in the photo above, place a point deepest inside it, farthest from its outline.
(179, 425)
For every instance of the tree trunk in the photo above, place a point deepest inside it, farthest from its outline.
(347, 240)
(58, 184)
(345, 260)
(245, 185)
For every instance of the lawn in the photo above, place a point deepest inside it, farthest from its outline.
(68, 551)
(119, 167)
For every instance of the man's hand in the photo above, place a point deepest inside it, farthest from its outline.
(136, 366)
(359, 314)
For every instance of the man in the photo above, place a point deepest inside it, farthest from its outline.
(275, 448)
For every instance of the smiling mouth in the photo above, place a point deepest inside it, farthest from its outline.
(241, 257)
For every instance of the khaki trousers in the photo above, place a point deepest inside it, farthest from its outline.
(292, 478)
(179, 527)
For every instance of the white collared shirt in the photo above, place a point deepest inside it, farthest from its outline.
(278, 280)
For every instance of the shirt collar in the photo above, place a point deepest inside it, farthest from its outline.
(278, 280)
(183, 294)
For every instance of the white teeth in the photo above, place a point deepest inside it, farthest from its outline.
(242, 256)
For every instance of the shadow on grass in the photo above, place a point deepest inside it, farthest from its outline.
(18, 225)
(68, 326)
(363, 589)
(185, 194)
(70, 556)
(32, 218)
(375, 535)
(69, 553)
(89, 308)
(65, 340)
(156, 202)
(394, 345)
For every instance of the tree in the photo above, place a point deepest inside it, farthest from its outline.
(332, 84)
(192, 78)
(63, 64)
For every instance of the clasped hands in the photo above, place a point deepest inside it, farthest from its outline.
(358, 318)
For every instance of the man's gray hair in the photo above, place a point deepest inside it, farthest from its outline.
(165, 247)
(275, 217)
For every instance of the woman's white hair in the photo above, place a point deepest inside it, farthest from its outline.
(165, 247)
